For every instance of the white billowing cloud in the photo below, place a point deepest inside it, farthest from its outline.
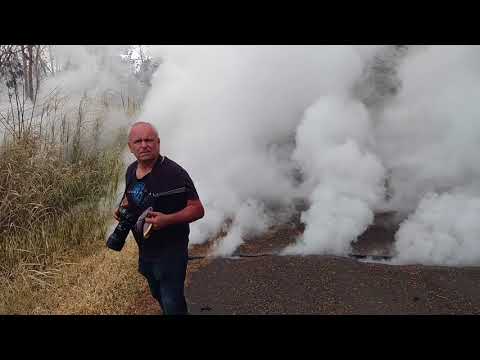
(367, 52)
(443, 230)
(228, 114)
(333, 143)
(89, 70)
(250, 219)
(89, 79)
(94, 81)
(428, 137)
(243, 119)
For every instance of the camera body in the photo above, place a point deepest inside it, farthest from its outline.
(127, 221)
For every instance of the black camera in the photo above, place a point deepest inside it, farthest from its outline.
(127, 221)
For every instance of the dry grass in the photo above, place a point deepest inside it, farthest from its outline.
(94, 281)
(48, 206)
(56, 193)
(103, 282)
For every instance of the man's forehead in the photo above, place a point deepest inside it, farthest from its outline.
(142, 130)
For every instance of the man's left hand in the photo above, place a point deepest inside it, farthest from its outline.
(157, 219)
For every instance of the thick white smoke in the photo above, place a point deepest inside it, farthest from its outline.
(260, 126)
(443, 230)
(428, 138)
(229, 115)
(89, 80)
(429, 134)
(88, 70)
(250, 219)
(334, 143)
(96, 74)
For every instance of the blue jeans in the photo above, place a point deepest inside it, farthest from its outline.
(166, 279)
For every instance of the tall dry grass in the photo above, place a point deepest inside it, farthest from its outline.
(57, 187)
(90, 280)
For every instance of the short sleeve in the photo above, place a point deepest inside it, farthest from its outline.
(190, 188)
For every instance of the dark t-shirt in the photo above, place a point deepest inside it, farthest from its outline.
(167, 188)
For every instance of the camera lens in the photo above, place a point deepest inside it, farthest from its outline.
(117, 239)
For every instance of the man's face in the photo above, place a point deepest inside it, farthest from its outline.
(144, 143)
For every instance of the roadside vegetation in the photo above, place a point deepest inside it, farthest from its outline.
(60, 171)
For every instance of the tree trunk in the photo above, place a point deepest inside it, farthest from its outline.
(50, 54)
(37, 70)
(30, 71)
(25, 70)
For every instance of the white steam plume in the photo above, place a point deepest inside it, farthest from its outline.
(443, 230)
(96, 73)
(429, 137)
(229, 114)
(88, 79)
(333, 143)
(250, 219)
(243, 119)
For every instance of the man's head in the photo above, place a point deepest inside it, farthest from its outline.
(144, 142)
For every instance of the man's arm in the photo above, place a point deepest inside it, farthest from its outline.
(192, 212)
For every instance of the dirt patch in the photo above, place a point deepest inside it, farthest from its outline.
(379, 238)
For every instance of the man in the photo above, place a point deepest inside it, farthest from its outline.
(155, 180)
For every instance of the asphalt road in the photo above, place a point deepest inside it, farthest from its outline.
(327, 284)
(330, 285)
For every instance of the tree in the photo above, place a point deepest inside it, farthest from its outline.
(20, 72)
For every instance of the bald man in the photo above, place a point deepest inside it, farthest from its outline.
(156, 181)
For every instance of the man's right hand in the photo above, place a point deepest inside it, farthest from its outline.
(124, 204)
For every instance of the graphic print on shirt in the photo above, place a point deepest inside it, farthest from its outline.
(138, 193)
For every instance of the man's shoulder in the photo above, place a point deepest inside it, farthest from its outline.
(132, 166)
(173, 166)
